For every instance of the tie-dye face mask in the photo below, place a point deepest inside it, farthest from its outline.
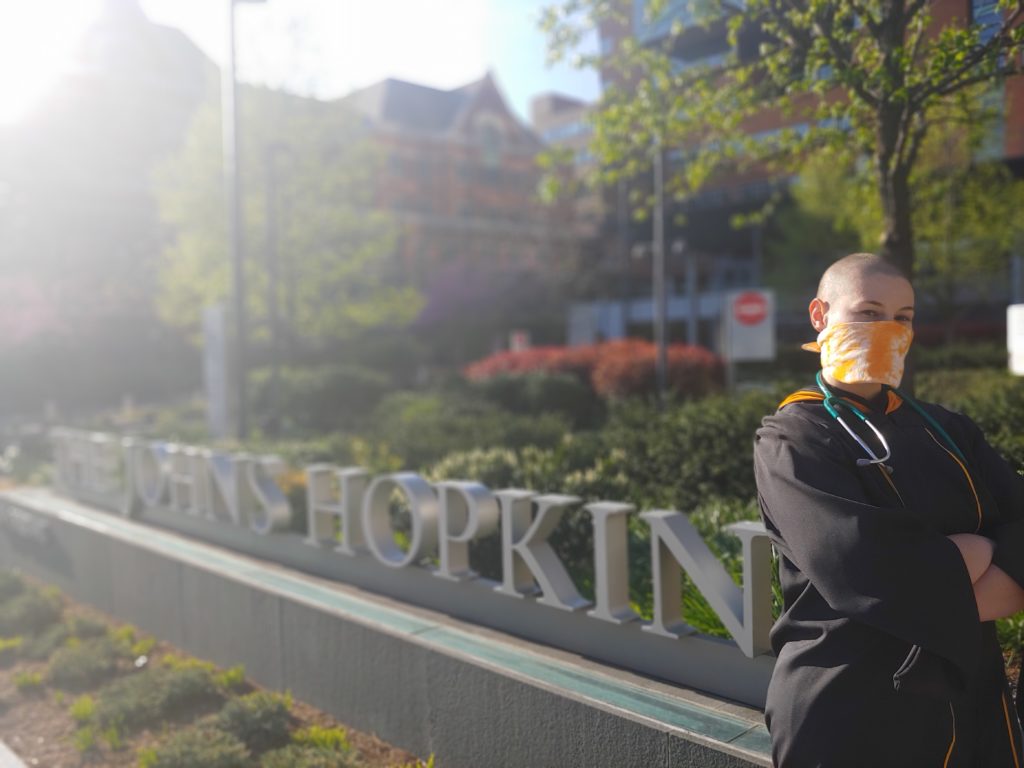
(856, 353)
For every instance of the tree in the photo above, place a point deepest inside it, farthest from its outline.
(328, 261)
(965, 218)
(864, 78)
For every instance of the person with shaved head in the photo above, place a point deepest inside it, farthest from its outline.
(900, 538)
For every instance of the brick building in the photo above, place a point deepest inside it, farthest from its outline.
(460, 175)
(708, 251)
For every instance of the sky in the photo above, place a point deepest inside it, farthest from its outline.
(324, 48)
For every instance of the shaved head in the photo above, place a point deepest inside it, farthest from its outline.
(850, 271)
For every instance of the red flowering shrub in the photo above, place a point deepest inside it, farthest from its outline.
(537, 359)
(629, 367)
(614, 369)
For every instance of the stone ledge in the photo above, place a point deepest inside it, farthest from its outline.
(420, 679)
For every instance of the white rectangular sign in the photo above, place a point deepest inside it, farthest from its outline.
(1015, 338)
(748, 326)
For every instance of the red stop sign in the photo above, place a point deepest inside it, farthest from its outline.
(750, 308)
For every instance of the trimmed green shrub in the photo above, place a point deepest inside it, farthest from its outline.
(689, 453)
(42, 646)
(423, 428)
(317, 399)
(534, 393)
(194, 747)
(540, 469)
(29, 612)
(951, 357)
(304, 756)
(994, 399)
(85, 664)
(155, 694)
(335, 447)
(494, 467)
(259, 720)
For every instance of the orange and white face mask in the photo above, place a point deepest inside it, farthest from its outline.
(856, 353)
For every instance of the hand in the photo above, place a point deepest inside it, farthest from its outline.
(976, 551)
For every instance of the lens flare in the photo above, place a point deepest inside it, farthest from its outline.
(37, 45)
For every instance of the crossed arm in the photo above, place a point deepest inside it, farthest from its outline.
(997, 594)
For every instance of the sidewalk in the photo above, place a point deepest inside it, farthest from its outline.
(8, 759)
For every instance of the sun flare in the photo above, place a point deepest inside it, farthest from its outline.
(37, 45)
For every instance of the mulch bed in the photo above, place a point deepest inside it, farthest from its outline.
(38, 727)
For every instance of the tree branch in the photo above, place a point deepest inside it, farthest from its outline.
(959, 85)
(844, 60)
(952, 81)
(865, 15)
(915, 8)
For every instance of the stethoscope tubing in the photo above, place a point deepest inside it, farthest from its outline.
(833, 404)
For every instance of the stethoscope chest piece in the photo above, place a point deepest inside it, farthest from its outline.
(833, 405)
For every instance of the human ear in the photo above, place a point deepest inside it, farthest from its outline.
(817, 311)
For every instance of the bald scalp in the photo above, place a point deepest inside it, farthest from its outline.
(849, 270)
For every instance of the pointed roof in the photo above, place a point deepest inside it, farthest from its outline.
(413, 108)
(408, 106)
(123, 43)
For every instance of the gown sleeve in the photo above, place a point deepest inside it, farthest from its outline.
(882, 566)
(1007, 489)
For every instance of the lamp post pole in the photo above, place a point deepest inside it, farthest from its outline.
(236, 240)
(658, 263)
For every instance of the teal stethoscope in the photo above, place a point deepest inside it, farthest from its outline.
(833, 403)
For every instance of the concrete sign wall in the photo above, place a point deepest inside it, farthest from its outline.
(234, 500)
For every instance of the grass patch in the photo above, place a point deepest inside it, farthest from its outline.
(29, 612)
(206, 747)
(42, 646)
(84, 665)
(28, 682)
(9, 648)
(154, 695)
(232, 679)
(323, 738)
(84, 740)
(83, 709)
(261, 720)
(306, 756)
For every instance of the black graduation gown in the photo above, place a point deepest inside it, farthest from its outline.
(882, 658)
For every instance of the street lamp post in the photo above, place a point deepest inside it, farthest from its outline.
(232, 188)
(658, 269)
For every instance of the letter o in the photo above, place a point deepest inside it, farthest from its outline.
(423, 510)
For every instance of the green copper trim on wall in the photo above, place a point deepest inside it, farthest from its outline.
(530, 666)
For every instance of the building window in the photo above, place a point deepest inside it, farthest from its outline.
(649, 28)
(986, 14)
(993, 102)
(566, 131)
(491, 142)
